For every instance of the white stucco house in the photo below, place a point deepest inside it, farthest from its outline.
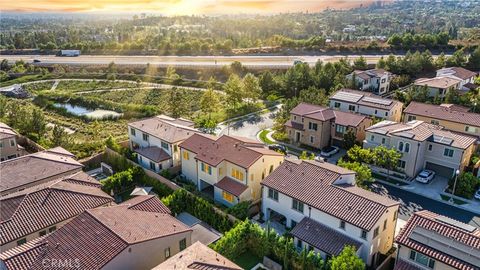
(376, 81)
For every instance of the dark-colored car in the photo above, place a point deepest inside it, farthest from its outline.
(36, 61)
(278, 148)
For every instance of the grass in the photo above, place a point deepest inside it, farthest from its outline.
(247, 260)
(77, 86)
(456, 201)
(389, 180)
(264, 138)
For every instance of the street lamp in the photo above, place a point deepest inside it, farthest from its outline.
(457, 172)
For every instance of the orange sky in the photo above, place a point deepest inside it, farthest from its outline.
(177, 7)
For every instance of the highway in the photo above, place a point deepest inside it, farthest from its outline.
(262, 61)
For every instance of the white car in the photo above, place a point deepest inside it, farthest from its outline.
(425, 176)
(329, 151)
(477, 194)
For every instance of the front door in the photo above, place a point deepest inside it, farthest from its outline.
(297, 137)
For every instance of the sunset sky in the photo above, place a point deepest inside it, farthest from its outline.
(177, 7)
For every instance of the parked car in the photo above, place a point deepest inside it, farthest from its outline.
(321, 159)
(36, 61)
(278, 148)
(425, 176)
(477, 194)
(329, 151)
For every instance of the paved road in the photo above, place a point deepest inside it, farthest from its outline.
(411, 202)
(249, 126)
(262, 61)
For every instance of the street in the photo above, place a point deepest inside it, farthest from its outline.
(249, 126)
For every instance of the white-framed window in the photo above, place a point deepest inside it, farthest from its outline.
(448, 152)
(372, 138)
(342, 224)
(470, 129)
(430, 147)
(400, 146)
(273, 194)
(167, 252)
(312, 126)
(311, 139)
(351, 108)
(340, 129)
(386, 113)
(411, 118)
(401, 164)
(364, 234)
(132, 131)
(164, 145)
(383, 140)
(145, 137)
(336, 105)
(297, 205)
(375, 232)
(12, 142)
(435, 122)
(407, 147)
(422, 259)
(152, 165)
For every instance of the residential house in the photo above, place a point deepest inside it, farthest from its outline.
(9, 148)
(41, 209)
(198, 256)
(438, 86)
(33, 169)
(228, 168)
(364, 103)
(137, 234)
(423, 146)
(466, 76)
(156, 140)
(432, 241)
(317, 126)
(327, 211)
(451, 117)
(376, 81)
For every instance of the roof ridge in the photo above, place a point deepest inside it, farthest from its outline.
(79, 192)
(16, 209)
(419, 214)
(88, 211)
(367, 198)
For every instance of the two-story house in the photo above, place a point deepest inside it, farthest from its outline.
(432, 241)
(451, 117)
(373, 80)
(9, 148)
(137, 234)
(229, 168)
(364, 103)
(156, 140)
(327, 211)
(423, 146)
(466, 76)
(438, 86)
(317, 126)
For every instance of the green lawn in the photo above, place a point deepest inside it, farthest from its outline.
(389, 180)
(456, 201)
(263, 137)
(247, 260)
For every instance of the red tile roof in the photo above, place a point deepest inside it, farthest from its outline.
(443, 113)
(313, 184)
(231, 186)
(442, 82)
(237, 150)
(45, 205)
(459, 72)
(166, 128)
(198, 256)
(147, 203)
(404, 265)
(154, 153)
(6, 131)
(429, 221)
(96, 237)
(320, 113)
(322, 237)
(348, 119)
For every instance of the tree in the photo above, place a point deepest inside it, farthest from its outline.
(440, 61)
(347, 260)
(60, 137)
(360, 63)
(386, 158)
(171, 74)
(313, 95)
(306, 156)
(234, 90)
(178, 105)
(458, 59)
(467, 184)
(38, 124)
(251, 88)
(452, 95)
(381, 63)
(363, 172)
(209, 102)
(267, 83)
(474, 60)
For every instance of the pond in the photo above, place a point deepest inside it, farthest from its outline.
(90, 113)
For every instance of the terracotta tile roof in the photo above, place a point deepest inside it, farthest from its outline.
(214, 150)
(313, 184)
(434, 223)
(60, 151)
(45, 205)
(404, 265)
(231, 186)
(198, 256)
(348, 119)
(458, 72)
(323, 237)
(6, 131)
(23, 256)
(443, 82)
(147, 203)
(96, 237)
(295, 125)
(154, 153)
(443, 113)
(367, 74)
(168, 129)
(313, 111)
(34, 168)
(364, 98)
(421, 131)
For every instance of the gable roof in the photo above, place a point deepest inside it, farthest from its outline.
(166, 128)
(321, 113)
(371, 73)
(96, 236)
(364, 98)
(442, 82)
(458, 72)
(443, 113)
(231, 186)
(35, 167)
(198, 256)
(45, 205)
(237, 150)
(441, 229)
(6, 131)
(313, 183)
(154, 153)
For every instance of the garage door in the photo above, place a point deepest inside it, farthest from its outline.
(439, 169)
(337, 142)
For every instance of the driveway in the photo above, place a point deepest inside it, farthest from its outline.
(436, 186)
(249, 126)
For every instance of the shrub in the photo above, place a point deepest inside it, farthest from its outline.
(240, 210)
(466, 186)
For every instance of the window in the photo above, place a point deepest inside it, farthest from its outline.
(383, 80)
(52, 229)
(152, 165)
(311, 139)
(435, 122)
(271, 169)
(407, 147)
(299, 243)
(342, 224)
(185, 155)
(430, 147)
(220, 171)
(375, 232)
(183, 244)
(227, 196)
(340, 129)
(145, 137)
(140, 158)
(351, 108)
(273, 194)
(206, 168)
(237, 174)
(297, 205)
(395, 215)
(12, 143)
(401, 164)
(376, 111)
(294, 117)
(400, 146)
(132, 131)
(383, 140)
(167, 252)
(385, 225)
(448, 152)
(364, 234)
(312, 126)
(42, 233)
(386, 113)
(164, 145)
(422, 259)
(470, 129)
(21, 241)
(1, 144)
(372, 138)
(175, 148)
(337, 105)
(411, 118)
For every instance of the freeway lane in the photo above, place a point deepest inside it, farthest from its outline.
(411, 202)
(261, 61)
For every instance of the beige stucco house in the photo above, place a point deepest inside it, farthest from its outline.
(9, 148)
(229, 168)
